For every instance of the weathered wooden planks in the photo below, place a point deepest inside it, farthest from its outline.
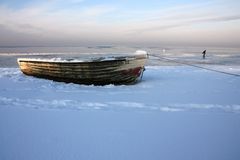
(119, 71)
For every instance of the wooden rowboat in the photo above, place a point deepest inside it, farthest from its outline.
(101, 71)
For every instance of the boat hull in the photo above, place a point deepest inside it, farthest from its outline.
(121, 71)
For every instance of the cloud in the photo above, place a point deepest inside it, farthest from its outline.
(174, 21)
(50, 25)
(188, 22)
(221, 18)
(64, 1)
(12, 38)
(76, 20)
(47, 18)
(75, 1)
(98, 10)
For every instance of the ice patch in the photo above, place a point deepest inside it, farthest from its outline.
(120, 105)
(170, 109)
(9, 72)
(222, 55)
(161, 90)
(198, 107)
(128, 104)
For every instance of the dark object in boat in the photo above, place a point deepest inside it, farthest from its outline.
(102, 71)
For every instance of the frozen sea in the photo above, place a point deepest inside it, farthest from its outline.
(175, 112)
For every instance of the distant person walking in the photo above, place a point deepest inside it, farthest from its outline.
(204, 54)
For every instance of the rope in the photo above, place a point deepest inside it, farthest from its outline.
(193, 65)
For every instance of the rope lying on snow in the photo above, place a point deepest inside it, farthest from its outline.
(193, 65)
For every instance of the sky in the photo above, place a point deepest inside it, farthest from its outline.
(123, 22)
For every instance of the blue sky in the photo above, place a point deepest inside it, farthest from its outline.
(152, 22)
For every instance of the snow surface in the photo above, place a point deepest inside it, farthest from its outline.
(176, 112)
(128, 56)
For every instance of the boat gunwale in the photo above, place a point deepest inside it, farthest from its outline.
(65, 61)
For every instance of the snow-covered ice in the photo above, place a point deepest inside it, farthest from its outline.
(175, 112)
(162, 89)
